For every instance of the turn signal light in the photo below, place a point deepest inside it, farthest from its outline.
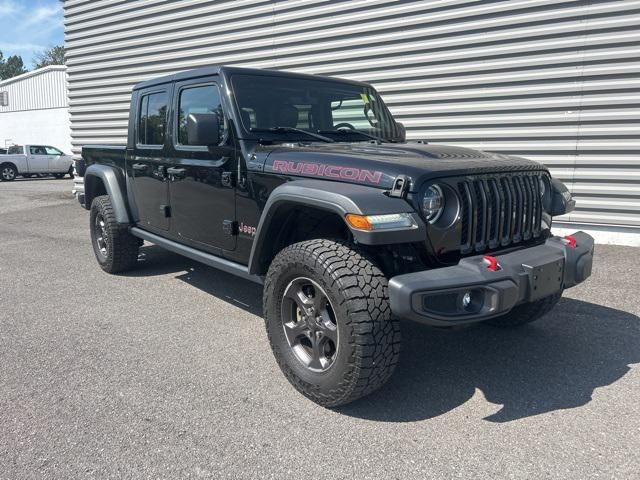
(360, 222)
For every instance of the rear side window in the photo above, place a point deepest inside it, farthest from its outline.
(152, 119)
(16, 150)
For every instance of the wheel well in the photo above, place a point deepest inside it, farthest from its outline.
(10, 164)
(296, 223)
(93, 187)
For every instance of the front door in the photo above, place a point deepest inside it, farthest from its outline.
(57, 161)
(201, 188)
(147, 164)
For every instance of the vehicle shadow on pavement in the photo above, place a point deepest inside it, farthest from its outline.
(555, 363)
(242, 293)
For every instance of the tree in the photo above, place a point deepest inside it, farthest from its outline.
(50, 56)
(12, 67)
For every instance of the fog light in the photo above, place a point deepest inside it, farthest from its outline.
(466, 300)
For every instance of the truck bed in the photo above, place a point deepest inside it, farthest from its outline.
(113, 155)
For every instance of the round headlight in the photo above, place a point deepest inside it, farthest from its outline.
(433, 203)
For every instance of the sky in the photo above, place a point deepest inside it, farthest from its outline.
(30, 26)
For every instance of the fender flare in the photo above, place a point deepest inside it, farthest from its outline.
(111, 179)
(341, 199)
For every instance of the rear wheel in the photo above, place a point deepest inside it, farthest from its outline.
(8, 172)
(115, 248)
(526, 312)
(329, 321)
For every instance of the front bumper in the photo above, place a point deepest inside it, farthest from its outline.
(471, 292)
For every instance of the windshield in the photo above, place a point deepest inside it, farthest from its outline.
(343, 112)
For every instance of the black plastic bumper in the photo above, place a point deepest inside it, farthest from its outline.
(472, 292)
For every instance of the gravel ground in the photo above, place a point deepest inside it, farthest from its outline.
(166, 373)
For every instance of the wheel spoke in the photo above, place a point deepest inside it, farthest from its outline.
(318, 360)
(296, 294)
(329, 331)
(295, 330)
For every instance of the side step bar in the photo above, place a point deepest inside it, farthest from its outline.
(202, 257)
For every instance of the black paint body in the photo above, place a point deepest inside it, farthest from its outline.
(215, 199)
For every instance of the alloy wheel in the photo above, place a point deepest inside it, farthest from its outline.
(310, 324)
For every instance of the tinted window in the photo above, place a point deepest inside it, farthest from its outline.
(16, 150)
(266, 101)
(203, 99)
(37, 150)
(152, 119)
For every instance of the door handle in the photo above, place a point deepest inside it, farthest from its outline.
(139, 166)
(176, 172)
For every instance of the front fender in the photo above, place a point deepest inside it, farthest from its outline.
(341, 199)
(113, 183)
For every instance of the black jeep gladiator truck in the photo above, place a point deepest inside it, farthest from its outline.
(307, 185)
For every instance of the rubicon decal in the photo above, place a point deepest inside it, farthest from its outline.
(328, 171)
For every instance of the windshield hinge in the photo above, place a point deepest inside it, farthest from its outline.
(400, 187)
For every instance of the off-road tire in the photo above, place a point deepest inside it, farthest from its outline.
(369, 337)
(526, 312)
(121, 247)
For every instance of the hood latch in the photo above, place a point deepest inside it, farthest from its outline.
(400, 187)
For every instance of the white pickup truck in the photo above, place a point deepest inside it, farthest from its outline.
(30, 160)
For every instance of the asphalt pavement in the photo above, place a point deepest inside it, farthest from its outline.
(165, 372)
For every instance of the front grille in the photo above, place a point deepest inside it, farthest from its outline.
(498, 211)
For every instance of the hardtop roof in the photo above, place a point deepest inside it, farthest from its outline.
(224, 70)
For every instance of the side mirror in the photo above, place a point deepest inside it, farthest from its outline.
(402, 132)
(203, 129)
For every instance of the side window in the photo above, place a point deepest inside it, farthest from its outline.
(37, 150)
(202, 99)
(152, 119)
(16, 150)
(53, 151)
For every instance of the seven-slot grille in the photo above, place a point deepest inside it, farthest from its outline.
(500, 210)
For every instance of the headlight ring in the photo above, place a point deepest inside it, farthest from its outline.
(433, 203)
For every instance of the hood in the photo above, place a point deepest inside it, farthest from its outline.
(379, 165)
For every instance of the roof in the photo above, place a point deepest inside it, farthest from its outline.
(34, 73)
(224, 70)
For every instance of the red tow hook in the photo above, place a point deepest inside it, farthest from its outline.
(570, 240)
(491, 263)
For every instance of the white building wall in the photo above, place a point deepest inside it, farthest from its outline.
(47, 127)
(37, 110)
(557, 81)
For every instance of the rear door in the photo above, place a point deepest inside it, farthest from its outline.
(37, 159)
(147, 163)
(202, 190)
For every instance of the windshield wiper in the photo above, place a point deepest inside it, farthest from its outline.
(293, 130)
(357, 132)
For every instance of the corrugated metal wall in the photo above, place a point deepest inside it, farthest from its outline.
(37, 90)
(555, 81)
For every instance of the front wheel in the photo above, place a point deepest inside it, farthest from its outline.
(8, 173)
(115, 248)
(329, 322)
